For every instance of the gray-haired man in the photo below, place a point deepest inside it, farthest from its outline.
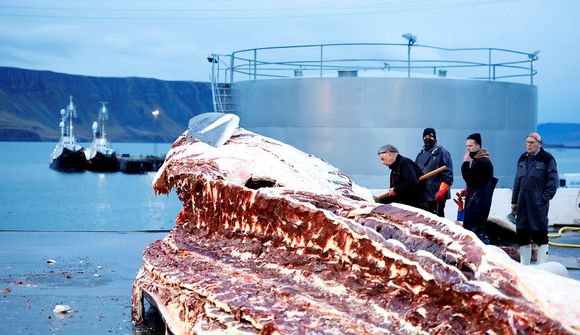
(535, 185)
(404, 180)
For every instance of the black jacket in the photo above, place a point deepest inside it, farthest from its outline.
(478, 176)
(534, 187)
(405, 182)
(429, 160)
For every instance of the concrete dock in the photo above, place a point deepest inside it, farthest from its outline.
(140, 164)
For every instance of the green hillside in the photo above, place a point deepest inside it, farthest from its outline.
(30, 104)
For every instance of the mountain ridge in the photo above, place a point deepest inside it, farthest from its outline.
(31, 100)
(560, 134)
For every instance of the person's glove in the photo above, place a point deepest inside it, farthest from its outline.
(440, 195)
(459, 202)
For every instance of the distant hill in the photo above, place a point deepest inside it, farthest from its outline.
(560, 134)
(30, 104)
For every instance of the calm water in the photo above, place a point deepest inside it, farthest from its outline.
(568, 160)
(35, 197)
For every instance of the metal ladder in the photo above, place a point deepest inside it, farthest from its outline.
(223, 100)
(222, 97)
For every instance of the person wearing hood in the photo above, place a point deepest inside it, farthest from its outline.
(431, 157)
(405, 187)
(477, 171)
(535, 185)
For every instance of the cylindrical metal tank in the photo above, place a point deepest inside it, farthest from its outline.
(344, 120)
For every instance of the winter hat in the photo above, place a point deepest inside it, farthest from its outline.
(430, 131)
(476, 137)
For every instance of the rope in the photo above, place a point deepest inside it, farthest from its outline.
(559, 233)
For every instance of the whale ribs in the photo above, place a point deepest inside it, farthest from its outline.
(273, 259)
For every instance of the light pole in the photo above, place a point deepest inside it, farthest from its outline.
(411, 39)
(213, 60)
(155, 114)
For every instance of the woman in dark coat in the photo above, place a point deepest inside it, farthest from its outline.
(477, 171)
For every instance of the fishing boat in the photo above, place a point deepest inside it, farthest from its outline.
(68, 155)
(100, 156)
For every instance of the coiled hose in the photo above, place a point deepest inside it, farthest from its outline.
(559, 233)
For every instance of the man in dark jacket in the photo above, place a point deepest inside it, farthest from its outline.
(477, 172)
(535, 185)
(431, 157)
(405, 185)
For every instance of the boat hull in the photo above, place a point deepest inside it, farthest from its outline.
(103, 163)
(69, 161)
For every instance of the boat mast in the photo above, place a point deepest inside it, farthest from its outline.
(103, 115)
(62, 123)
(70, 113)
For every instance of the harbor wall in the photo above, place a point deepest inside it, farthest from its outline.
(344, 120)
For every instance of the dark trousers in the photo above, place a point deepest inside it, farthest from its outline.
(527, 236)
(436, 208)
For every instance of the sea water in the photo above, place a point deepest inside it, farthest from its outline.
(35, 197)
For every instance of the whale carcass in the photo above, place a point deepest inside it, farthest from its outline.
(271, 240)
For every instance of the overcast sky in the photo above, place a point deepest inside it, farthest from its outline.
(171, 39)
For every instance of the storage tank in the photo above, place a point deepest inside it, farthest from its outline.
(344, 111)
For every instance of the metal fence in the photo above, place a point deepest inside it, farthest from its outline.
(374, 59)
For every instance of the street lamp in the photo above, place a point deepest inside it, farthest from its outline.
(213, 59)
(155, 114)
(533, 57)
(411, 39)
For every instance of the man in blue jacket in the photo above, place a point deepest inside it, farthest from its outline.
(535, 185)
(431, 157)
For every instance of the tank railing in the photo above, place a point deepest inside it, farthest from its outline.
(313, 65)
(253, 64)
(385, 64)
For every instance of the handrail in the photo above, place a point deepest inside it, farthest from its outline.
(472, 63)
